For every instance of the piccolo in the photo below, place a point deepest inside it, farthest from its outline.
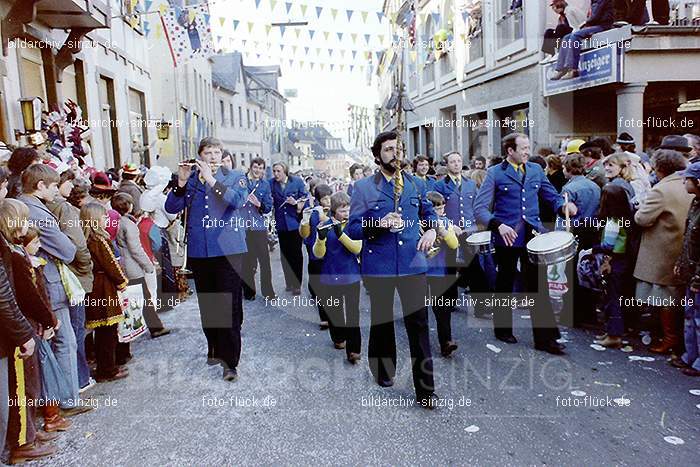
(329, 226)
(193, 164)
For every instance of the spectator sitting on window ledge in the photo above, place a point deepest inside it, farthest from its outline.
(553, 37)
(600, 19)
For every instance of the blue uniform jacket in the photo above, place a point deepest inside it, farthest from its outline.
(252, 215)
(505, 199)
(286, 216)
(339, 267)
(429, 182)
(214, 223)
(385, 253)
(459, 203)
(311, 239)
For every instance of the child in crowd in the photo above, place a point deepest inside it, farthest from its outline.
(616, 212)
(340, 277)
(307, 229)
(103, 311)
(688, 269)
(23, 438)
(439, 280)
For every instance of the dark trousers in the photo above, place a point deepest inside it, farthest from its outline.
(258, 253)
(660, 10)
(150, 316)
(580, 302)
(544, 326)
(220, 302)
(382, 342)
(439, 287)
(314, 285)
(342, 305)
(25, 382)
(106, 340)
(291, 257)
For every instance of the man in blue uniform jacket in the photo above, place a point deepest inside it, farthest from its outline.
(507, 203)
(421, 167)
(259, 202)
(393, 258)
(289, 196)
(215, 243)
(460, 193)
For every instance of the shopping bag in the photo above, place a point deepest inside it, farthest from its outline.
(556, 279)
(71, 284)
(132, 302)
(55, 386)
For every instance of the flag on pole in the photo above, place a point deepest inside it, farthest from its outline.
(188, 33)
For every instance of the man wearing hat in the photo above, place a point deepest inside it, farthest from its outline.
(574, 146)
(694, 143)
(130, 174)
(688, 270)
(102, 190)
(593, 152)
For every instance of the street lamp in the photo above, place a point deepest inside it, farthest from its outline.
(163, 129)
(31, 113)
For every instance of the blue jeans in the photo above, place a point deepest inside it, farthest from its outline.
(691, 329)
(570, 49)
(77, 320)
(65, 348)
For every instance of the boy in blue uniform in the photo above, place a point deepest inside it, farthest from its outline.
(439, 279)
(508, 204)
(215, 244)
(384, 213)
(460, 193)
(259, 203)
(340, 277)
(310, 221)
(289, 197)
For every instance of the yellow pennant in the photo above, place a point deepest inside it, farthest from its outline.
(192, 14)
(250, 26)
(272, 4)
(297, 32)
(268, 28)
(364, 16)
(222, 20)
(334, 13)
(163, 9)
(325, 34)
(354, 38)
(303, 10)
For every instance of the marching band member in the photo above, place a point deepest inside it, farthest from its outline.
(340, 277)
(259, 202)
(439, 279)
(508, 204)
(289, 197)
(385, 212)
(212, 194)
(421, 167)
(460, 193)
(311, 219)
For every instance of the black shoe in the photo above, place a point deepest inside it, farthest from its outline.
(160, 333)
(449, 349)
(428, 402)
(211, 361)
(551, 348)
(510, 339)
(296, 292)
(230, 374)
(385, 383)
(354, 358)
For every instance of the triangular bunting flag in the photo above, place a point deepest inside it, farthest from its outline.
(282, 29)
(306, 51)
(319, 9)
(334, 13)
(297, 32)
(222, 20)
(273, 3)
(268, 28)
(332, 66)
(340, 36)
(330, 52)
(235, 24)
(311, 34)
(303, 9)
(288, 5)
(322, 66)
(381, 39)
(354, 53)
(436, 18)
(257, 4)
(352, 67)
(367, 36)
(147, 4)
(250, 26)
(294, 49)
(354, 38)
(342, 53)
(325, 35)
(364, 16)
(349, 13)
(380, 15)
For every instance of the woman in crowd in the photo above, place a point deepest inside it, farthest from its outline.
(555, 171)
(135, 260)
(616, 214)
(662, 217)
(103, 311)
(20, 159)
(618, 172)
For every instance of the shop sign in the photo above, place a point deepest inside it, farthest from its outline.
(596, 67)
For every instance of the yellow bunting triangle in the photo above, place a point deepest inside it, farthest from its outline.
(364, 16)
(250, 26)
(342, 53)
(334, 13)
(303, 10)
(322, 66)
(297, 32)
(163, 9)
(272, 4)
(318, 51)
(268, 28)
(192, 14)
(325, 34)
(222, 20)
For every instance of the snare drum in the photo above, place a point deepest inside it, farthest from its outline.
(552, 247)
(480, 242)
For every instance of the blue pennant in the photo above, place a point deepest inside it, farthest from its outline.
(319, 9)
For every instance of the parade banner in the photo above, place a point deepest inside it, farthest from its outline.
(188, 31)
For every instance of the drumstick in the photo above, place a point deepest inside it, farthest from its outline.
(566, 211)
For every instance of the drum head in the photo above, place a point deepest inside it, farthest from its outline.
(479, 238)
(550, 241)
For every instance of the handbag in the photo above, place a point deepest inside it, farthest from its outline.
(71, 284)
(132, 301)
(55, 386)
